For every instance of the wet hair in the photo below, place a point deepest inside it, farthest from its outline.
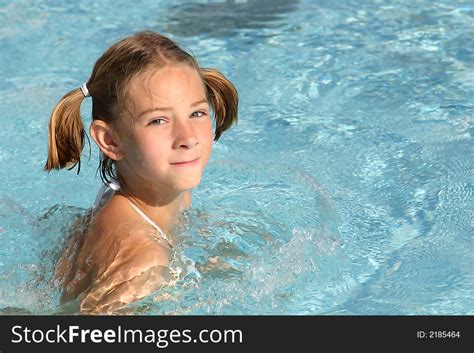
(107, 86)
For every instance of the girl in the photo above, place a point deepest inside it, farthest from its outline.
(151, 108)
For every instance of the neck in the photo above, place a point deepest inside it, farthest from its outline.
(160, 203)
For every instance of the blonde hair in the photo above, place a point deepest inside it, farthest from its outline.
(108, 85)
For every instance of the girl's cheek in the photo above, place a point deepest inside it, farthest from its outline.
(210, 133)
(210, 141)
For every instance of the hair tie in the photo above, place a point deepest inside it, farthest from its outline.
(85, 91)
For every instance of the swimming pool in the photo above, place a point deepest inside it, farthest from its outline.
(346, 187)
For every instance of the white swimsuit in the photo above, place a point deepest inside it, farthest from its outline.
(105, 194)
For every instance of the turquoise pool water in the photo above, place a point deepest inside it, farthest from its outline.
(346, 187)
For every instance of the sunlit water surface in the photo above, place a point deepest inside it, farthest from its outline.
(346, 187)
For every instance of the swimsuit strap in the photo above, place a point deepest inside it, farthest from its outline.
(146, 218)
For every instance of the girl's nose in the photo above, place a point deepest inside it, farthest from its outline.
(185, 135)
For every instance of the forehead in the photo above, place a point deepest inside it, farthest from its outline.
(171, 86)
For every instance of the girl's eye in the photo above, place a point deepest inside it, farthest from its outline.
(157, 122)
(199, 116)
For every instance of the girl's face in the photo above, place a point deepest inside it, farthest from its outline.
(167, 122)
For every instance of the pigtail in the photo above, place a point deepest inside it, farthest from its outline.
(223, 98)
(66, 133)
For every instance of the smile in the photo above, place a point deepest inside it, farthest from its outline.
(188, 163)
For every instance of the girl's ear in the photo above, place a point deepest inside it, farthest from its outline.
(106, 138)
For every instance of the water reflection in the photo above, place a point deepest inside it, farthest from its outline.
(222, 19)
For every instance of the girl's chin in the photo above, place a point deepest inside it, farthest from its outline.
(185, 185)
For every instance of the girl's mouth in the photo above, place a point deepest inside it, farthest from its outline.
(188, 163)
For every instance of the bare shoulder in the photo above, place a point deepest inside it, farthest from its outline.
(140, 244)
(132, 267)
(127, 239)
(124, 259)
